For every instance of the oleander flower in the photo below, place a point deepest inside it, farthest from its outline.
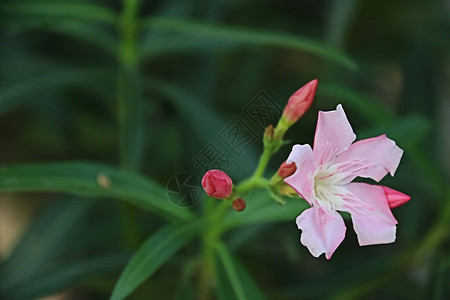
(324, 178)
(217, 184)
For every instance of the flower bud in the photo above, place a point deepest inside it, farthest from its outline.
(395, 198)
(300, 102)
(217, 184)
(286, 169)
(239, 204)
(268, 133)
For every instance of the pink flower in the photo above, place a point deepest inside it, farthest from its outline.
(300, 102)
(217, 184)
(323, 178)
(395, 198)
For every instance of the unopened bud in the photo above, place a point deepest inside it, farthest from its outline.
(286, 169)
(395, 198)
(217, 184)
(239, 204)
(300, 102)
(286, 190)
(268, 133)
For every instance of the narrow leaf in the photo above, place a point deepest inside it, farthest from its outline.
(81, 178)
(242, 285)
(249, 36)
(151, 255)
(262, 209)
(56, 278)
(72, 10)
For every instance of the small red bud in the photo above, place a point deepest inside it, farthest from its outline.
(286, 169)
(217, 184)
(300, 102)
(395, 198)
(239, 204)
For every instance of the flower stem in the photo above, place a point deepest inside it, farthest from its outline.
(130, 113)
(211, 236)
(263, 161)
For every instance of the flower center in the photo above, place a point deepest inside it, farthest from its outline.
(325, 188)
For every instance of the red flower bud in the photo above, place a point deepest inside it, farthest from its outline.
(286, 170)
(395, 198)
(300, 102)
(217, 184)
(239, 204)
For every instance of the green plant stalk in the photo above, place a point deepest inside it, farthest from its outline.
(130, 118)
(214, 215)
(129, 88)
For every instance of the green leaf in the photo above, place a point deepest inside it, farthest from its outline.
(47, 237)
(234, 281)
(155, 251)
(262, 209)
(71, 10)
(363, 104)
(95, 180)
(23, 92)
(407, 131)
(56, 278)
(248, 36)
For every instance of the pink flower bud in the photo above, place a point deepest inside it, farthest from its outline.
(300, 102)
(395, 198)
(286, 170)
(217, 184)
(239, 204)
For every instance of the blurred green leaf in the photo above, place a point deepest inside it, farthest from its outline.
(262, 209)
(407, 131)
(62, 275)
(71, 10)
(84, 31)
(155, 251)
(234, 281)
(248, 36)
(81, 178)
(24, 91)
(363, 104)
(181, 45)
(46, 237)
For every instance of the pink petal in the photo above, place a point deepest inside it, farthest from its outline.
(302, 181)
(370, 158)
(333, 135)
(322, 232)
(372, 218)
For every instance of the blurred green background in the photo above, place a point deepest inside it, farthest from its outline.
(145, 86)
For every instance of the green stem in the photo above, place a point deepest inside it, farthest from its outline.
(130, 113)
(129, 88)
(263, 161)
(214, 215)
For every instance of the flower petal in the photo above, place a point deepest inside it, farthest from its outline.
(321, 232)
(370, 158)
(302, 181)
(333, 135)
(372, 218)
